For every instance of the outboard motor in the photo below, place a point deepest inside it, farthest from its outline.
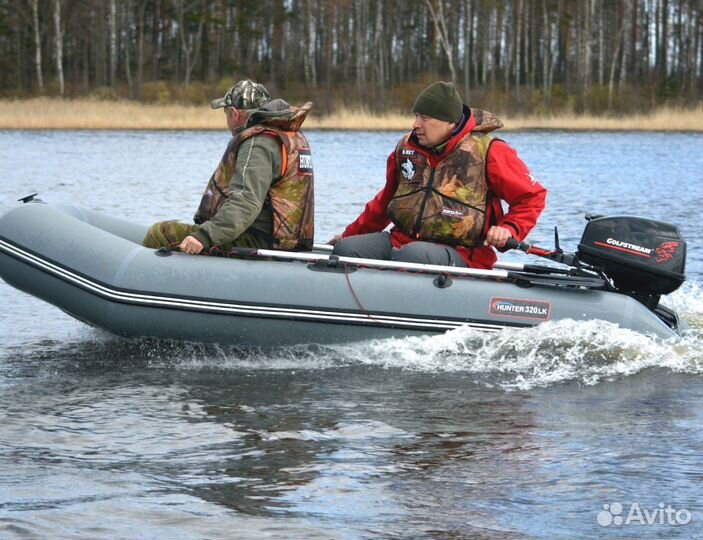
(643, 257)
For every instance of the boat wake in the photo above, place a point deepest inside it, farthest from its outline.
(512, 359)
(551, 353)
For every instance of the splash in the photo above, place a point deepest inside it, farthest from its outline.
(513, 359)
(587, 352)
(551, 353)
(688, 303)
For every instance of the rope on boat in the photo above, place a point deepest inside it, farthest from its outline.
(353, 293)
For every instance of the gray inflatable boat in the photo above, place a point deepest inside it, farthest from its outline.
(94, 268)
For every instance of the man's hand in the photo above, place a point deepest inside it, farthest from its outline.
(333, 241)
(497, 236)
(191, 245)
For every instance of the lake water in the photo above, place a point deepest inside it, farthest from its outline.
(521, 434)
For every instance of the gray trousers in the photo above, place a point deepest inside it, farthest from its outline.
(378, 246)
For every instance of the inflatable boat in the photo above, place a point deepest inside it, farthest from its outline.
(93, 267)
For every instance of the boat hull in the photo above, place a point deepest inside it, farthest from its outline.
(94, 268)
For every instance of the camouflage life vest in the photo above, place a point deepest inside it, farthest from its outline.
(446, 203)
(291, 197)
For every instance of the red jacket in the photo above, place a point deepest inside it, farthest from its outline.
(509, 179)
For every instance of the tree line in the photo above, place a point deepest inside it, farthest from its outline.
(527, 55)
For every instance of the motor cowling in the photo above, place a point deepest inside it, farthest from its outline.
(641, 256)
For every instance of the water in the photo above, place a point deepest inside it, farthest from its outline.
(523, 434)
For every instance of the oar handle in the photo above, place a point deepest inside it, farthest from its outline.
(514, 244)
(532, 250)
(552, 254)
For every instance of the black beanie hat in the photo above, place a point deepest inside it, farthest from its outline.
(440, 100)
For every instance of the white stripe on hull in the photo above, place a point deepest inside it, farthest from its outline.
(299, 314)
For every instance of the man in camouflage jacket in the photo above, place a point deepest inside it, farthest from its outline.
(261, 194)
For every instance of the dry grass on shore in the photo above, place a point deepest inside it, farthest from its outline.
(51, 113)
(663, 119)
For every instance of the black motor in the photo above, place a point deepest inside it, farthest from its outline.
(641, 256)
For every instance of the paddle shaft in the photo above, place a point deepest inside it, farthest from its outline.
(502, 271)
(375, 263)
(506, 270)
(499, 265)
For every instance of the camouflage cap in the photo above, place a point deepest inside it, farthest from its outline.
(245, 94)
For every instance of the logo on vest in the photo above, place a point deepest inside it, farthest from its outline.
(452, 213)
(407, 168)
(304, 161)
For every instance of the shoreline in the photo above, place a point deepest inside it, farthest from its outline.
(85, 114)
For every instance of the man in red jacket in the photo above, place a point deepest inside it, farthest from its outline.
(444, 185)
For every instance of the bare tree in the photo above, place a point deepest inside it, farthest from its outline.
(58, 45)
(589, 13)
(440, 25)
(359, 21)
(601, 44)
(468, 48)
(624, 42)
(112, 29)
(127, 25)
(309, 46)
(380, 55)
(618, 40)
(141, 6)
(34, 6)
(516, 47)
(190, 44)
